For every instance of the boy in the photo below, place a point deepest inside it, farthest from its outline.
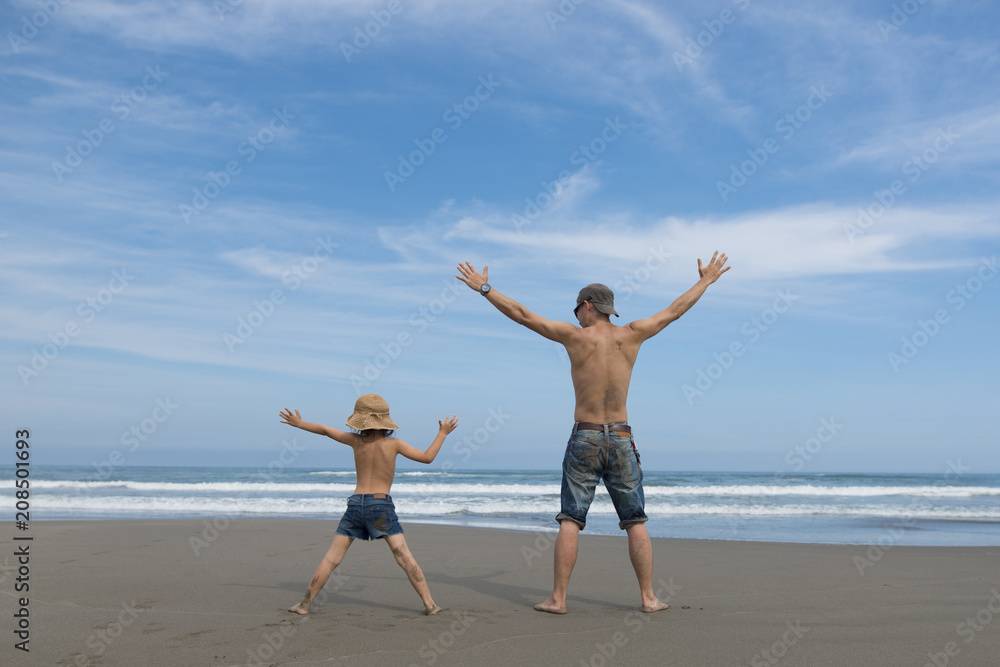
(370, 511)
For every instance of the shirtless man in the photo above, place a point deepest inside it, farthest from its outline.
(370, 511)
(601, 357)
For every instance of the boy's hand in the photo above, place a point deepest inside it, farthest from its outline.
(288, 418)
(448, 425)
(471, 277)
(714, 268)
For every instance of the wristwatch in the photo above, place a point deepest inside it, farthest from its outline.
(484, 289)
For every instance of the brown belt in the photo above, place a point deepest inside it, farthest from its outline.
(587, 426)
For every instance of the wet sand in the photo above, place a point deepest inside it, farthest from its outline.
(171, 592)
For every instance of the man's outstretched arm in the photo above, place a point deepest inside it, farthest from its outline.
(551, 329)
(649, 327)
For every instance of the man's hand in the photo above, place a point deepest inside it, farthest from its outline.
(448, 425)
(714, 268)
(471, 277)
(292, 420)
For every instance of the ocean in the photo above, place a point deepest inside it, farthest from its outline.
(954, 509)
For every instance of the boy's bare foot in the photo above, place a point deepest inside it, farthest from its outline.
(433, 610)
(299, 609)
(551, 607)
(659, 606)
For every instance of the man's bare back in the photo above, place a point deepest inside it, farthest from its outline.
(601, 360)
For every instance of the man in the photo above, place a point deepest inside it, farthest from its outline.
(601, 356)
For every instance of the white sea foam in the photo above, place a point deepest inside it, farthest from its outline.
(487, 506)
(533, 490)
(942, 491)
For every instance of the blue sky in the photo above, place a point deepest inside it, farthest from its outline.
(212, 211)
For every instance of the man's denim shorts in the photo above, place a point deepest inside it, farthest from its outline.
(592, 456)
(369, 518)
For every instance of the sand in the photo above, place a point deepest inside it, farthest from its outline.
(171, 592)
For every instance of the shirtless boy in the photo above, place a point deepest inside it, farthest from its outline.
(370, 511)
(601, 356)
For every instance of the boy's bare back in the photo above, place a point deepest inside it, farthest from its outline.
(375, 461)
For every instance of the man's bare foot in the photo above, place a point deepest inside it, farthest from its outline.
(433, 610)
(550, 606)
(299, 609)
(659, 606)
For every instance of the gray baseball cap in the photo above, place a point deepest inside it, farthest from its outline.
(601, 296)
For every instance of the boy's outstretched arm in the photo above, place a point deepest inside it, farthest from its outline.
(296, 420)
(444, 428)
(650, 326)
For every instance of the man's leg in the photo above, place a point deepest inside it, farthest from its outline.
(413, 572)
(565, 559)
(640, 552)
(331, 560)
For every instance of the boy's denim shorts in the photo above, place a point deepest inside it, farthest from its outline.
(592, 456)
(369, 518)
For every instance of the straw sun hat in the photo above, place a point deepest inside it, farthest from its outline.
(371, 412)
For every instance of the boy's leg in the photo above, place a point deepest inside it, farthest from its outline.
(413, 572)
(565, 559)
(331, 560)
